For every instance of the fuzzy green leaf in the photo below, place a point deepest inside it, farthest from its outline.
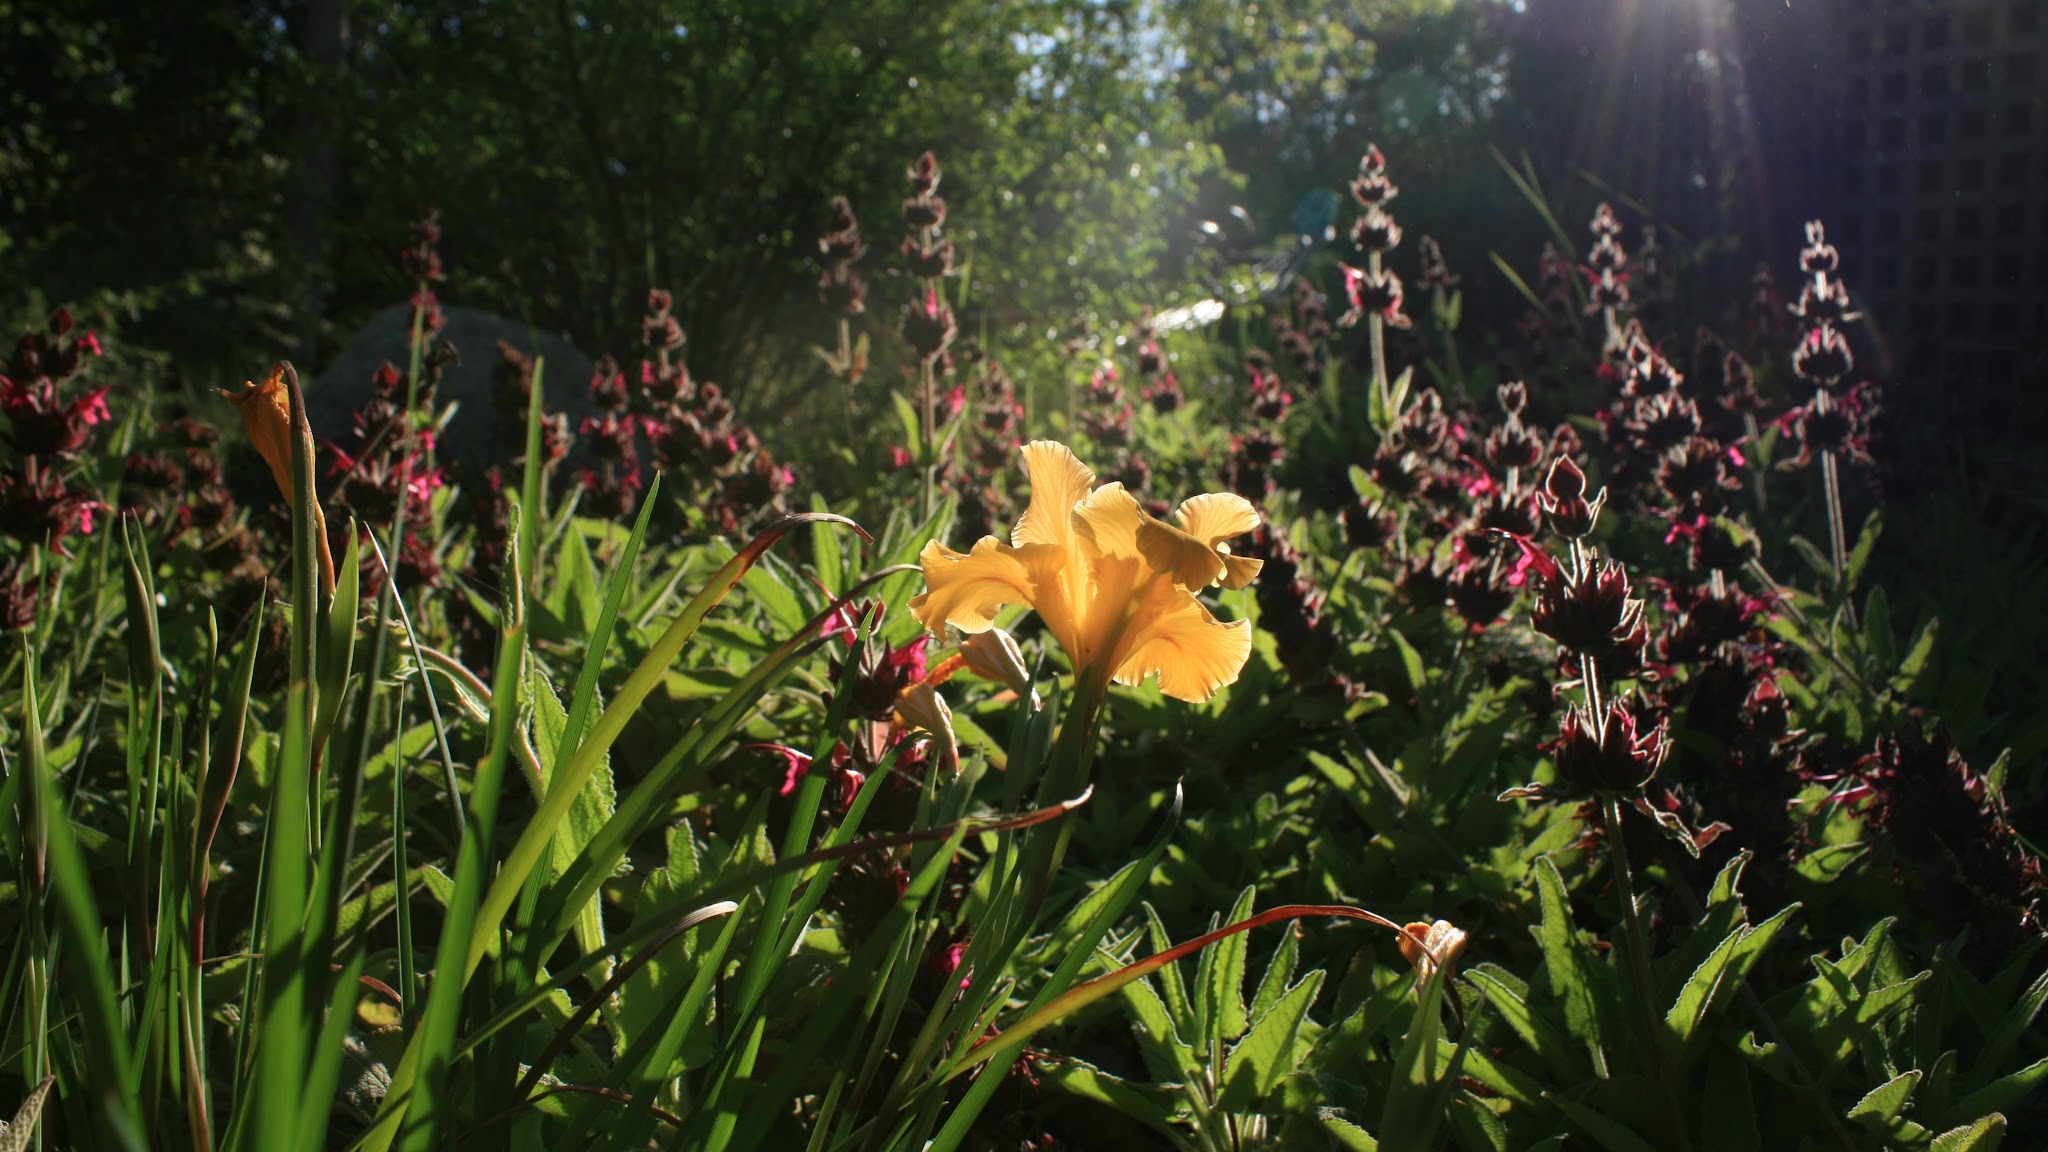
(1258, 1062)
(1982, 1136)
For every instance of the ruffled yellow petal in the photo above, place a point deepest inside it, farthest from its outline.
(966, 590)
(1214, 517)
(1058, 482)
(1193, 652)
(1107, 522)
(1189, 562)
(1240, 570)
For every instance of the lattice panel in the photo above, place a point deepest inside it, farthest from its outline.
(1942, 196)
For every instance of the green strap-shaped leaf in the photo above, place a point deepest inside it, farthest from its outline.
(1419, 1091)
(1608, 1132)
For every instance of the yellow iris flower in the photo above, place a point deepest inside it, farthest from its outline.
(1115, 586)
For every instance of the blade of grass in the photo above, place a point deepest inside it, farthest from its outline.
(107, 1056)
(282, 1042)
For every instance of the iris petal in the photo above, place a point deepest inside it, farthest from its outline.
(1058, 482)
(1214, 517)
(966, 590)
(1193, 652)
(1107, 522)
(1190, 563)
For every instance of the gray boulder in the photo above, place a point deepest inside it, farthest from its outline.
(340, 390)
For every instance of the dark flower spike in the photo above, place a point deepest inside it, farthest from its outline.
(928, 325)
(1614, 754)
(1372, 188)
(1375, 231)
(1564, 503)
(1588, 614)
(1818, 258)
(1372, 294)
(1823, 357)
(924, 175)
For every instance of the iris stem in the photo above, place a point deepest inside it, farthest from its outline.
(1073, 754)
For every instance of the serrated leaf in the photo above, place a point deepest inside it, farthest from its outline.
(1730, 960)
(14, 1136)
(2013, 1025)
(1065, 938)
(1279, 970)
(1826, 864)
(1347, 1134)
(1219, 983)
(1258, 1062)
(1172, 987)
(1149, 1104)
(1883, 1104)
(593, 805)
(1997, 1096)
(1168, 1058)
(1880, 1003)
(1477, 1125)
(769, 587)
(1514, 1085)
(1569, 965)
(1510, 998)
(1700, 989)
(1917, 656)
(1982, 1136)
(1821, 565)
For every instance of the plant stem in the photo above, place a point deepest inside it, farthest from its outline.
(1375, 326)
(931, 445)
(846, 374)
(1838, 543)
(1636, 946)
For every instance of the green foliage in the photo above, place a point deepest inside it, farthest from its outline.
(567, 830)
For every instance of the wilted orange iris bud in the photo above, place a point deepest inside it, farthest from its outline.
(266, 410)
(1425, 946)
